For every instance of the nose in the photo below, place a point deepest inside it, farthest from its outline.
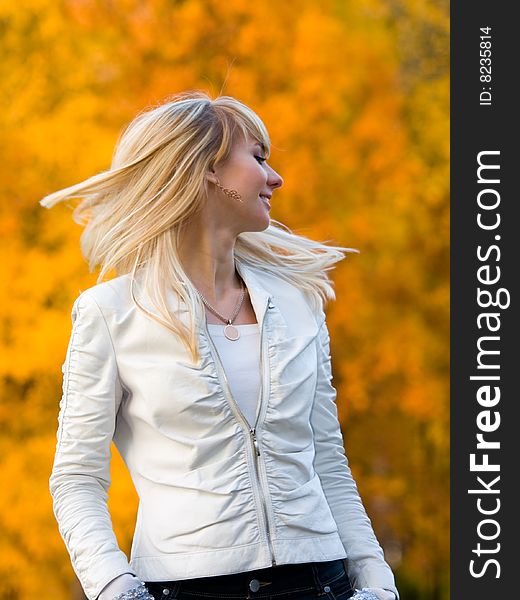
(274, 180)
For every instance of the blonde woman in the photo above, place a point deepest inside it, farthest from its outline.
(206, 360)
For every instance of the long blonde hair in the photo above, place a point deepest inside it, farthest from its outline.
(133, 213)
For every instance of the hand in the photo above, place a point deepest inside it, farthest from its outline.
(383, 594)
(118, 585)
(377, 593)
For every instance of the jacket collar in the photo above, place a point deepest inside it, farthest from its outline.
(252, 277)
(259, 295)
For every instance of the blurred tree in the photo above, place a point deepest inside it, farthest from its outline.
(356, 98)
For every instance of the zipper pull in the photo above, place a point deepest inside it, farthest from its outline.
(253, 435)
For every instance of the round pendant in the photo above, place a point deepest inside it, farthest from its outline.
(231, 332)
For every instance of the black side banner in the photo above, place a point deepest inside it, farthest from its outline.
(485, 431)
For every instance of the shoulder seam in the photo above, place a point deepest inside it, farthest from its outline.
(108, 333)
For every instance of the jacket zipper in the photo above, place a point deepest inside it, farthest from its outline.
(251, 430)
(267, 531)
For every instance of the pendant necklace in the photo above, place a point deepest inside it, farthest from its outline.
(230, 331)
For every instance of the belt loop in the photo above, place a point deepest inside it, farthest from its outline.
(317, 580)
(175, 590)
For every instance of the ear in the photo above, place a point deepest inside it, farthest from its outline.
(211, 176)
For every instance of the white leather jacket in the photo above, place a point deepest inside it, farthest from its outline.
(215, 495)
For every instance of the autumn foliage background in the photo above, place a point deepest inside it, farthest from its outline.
(355, 95)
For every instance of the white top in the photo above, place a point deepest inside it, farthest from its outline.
(241, 361)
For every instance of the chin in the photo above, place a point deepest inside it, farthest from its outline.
(265, 225)
(260, 225)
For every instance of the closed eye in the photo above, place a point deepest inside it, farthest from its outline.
(260, 159)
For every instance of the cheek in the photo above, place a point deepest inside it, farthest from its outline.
(261, 176)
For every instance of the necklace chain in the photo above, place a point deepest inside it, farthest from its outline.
(237, 308)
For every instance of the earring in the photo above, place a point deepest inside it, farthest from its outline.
(231, 193)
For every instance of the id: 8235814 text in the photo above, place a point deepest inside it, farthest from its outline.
(485, 66)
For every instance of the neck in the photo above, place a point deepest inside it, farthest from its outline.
(207, 256)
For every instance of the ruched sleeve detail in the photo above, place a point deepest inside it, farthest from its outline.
(80, 475)
(365, 560)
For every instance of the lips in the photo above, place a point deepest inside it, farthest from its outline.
(265, 200)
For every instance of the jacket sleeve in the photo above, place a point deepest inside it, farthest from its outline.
(366, 566)
(80, 475)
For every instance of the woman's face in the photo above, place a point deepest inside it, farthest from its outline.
(247, 172)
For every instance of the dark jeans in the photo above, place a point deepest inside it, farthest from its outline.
(305, 581)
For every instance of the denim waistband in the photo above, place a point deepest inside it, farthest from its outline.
(258, 583)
